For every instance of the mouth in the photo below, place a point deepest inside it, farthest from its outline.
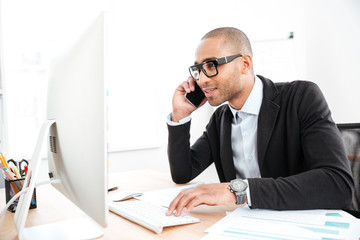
(209, 92)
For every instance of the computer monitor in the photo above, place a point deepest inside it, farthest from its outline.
(76, 134)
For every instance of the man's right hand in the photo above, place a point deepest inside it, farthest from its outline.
(181, 107)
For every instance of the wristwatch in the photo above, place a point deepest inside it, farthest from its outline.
(238, 187)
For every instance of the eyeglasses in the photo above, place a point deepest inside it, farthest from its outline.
(209, 67)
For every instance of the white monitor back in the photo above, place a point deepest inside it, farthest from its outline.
(77, 140)
(77, 102)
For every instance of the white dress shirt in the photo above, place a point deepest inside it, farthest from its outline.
(244, 134)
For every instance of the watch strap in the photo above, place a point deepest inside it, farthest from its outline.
(240, 197)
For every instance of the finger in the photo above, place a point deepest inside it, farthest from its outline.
(174, 204)
(194, 202)
(191, 83)
(186, 86)
(183, 203)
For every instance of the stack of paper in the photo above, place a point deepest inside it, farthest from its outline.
(245, 223)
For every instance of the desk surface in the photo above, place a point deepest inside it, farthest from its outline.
(52, 207)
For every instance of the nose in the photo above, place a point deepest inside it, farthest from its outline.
(203, 79)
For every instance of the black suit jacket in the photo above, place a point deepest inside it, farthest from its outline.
(301, 155)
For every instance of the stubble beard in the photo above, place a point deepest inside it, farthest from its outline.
(225, 95)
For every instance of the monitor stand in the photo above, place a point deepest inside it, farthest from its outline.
(81, 228)
(71, 229)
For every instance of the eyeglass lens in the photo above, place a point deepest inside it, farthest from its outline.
(208, 68)
(195, 73)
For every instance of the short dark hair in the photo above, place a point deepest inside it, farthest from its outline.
(236, 38)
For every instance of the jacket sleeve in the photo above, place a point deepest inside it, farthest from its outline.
(326, 181)
(187, 162)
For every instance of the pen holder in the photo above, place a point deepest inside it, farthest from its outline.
(11, 188)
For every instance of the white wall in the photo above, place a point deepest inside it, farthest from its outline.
(332, 45)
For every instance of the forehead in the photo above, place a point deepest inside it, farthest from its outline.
(211, 48)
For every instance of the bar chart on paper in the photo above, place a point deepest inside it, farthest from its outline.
(245, 223)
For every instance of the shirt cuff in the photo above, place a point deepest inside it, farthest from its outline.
(182, 121)
(248, 193)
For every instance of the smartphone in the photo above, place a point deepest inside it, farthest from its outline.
(195, 97)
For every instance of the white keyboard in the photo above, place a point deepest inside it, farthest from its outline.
(149, 215)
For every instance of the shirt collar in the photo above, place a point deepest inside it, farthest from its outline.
(253, 102)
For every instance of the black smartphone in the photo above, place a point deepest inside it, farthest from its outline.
(195, 97)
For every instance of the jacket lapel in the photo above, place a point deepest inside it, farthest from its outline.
(267, 118)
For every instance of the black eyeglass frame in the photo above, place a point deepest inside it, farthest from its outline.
(216, 62)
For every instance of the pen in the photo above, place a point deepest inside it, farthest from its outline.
(1, 164)
(112, 189)
(15, 170)
(9, 174)
(26, 169)
(3, 160)
(15, 185)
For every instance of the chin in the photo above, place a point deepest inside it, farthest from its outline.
(215, 103)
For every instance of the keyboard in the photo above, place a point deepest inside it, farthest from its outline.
(149, 215)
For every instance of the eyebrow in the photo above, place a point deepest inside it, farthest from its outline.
(206, 59)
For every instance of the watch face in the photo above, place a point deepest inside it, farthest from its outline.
(238, 185)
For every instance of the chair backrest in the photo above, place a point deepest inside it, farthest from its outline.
(350, 133)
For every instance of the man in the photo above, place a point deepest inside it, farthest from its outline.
(274, 145)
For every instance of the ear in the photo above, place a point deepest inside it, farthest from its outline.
(247, 64)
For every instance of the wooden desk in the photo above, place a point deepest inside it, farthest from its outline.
(53, 206)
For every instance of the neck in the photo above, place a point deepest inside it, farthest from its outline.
(239, 101)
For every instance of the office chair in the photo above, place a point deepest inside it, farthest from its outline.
(350, 133)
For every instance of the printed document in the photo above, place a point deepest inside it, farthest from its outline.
(246, 223)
